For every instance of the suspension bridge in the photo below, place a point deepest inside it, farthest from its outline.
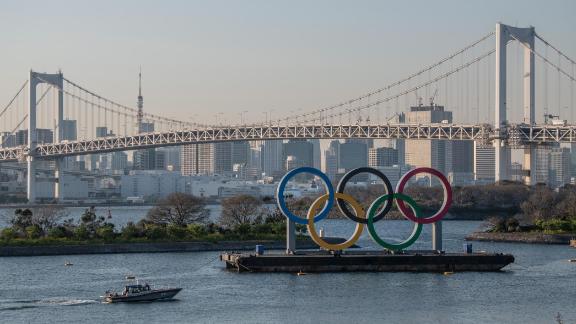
(51, 117)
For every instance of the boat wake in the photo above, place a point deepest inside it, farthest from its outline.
(7, 305)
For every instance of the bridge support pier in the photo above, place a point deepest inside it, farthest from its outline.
(290, 236)
(31, 179)
(505, 33)
(58, 179)
(437, 236)
(56, 80)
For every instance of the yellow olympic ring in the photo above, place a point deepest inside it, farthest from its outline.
(357, 232)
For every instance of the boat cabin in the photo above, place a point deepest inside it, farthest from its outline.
(136, 289)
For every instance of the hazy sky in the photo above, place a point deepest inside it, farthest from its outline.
(200, 58)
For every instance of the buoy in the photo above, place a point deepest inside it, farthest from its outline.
(447, 273)
(68, 263)
(300, 273)
(130, 277)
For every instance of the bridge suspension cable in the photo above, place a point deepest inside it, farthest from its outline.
(394, 84)
(417, 87)
(133, 110)
(545, 59)
(13, 98)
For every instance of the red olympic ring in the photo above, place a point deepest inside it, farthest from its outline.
(407, 212)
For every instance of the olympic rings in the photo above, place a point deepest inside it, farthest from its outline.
(372, 231)
(445, 203)
(359, 216)
(282, 186)
(389, 191)
(339, 246)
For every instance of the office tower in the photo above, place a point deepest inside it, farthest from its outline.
(301, 150)
(119, 161)
(382, 156)
(43, 136)
(197, 159)
(331, 156)
(460, 156)
(240, 152)
(427, 153)
(539, 171)
(353, 154)
(516, 173)
(160, 160)
(560, 167)
(7, 139)
(171, 157)
(271, 155)
(222, 157)
(484, 163)
(69, 130)
(316, 152)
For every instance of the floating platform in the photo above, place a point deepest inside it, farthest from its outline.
(370, 261)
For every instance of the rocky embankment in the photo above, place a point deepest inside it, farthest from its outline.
(522, 237)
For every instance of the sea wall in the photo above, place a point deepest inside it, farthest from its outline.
(156, 247)
(521, 237)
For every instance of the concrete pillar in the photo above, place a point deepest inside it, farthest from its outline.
(290, 236)
(529, 99)
(437, 236)
(504, 34)
(32, 139)
(500, 121)
(59, 135)
(58, 179)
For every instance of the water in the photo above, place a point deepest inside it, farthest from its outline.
(533, 290)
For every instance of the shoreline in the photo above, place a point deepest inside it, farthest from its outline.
(154, 247)
(521, 237)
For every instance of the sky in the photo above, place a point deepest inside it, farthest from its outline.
(202, 58)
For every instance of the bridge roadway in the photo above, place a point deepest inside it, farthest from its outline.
(515, 135)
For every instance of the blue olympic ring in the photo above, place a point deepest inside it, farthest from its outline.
(282, 202)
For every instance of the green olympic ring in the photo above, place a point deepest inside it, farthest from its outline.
(372, 231)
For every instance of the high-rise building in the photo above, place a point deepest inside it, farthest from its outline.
(484, 163)
(222, 157)
(302, 150)
(69, 130)
(197, 159)
(331, 156)
(382, 157)
(240, 152)
(540, 170)
(7, 139)
(560, 167)
(271, 156)
(316, 152)
(42, 135)
(427, 153)
(119, 161)
(353, 154)
(516, 173)
(171, 157)
(160, 160)
(460, 156)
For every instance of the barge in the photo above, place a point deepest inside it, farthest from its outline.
(369, 261)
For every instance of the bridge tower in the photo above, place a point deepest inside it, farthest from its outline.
(504, 34)
(56, 80)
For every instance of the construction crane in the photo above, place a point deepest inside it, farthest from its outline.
(432, 98)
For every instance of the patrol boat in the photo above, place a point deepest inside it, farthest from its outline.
(139, 293)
